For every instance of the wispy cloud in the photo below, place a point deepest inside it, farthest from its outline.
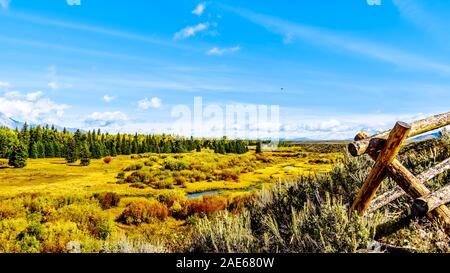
(96, 29)
(415, 12)
(55, 83)
(216, 51)
(108, 98)
(325, 38)
(5, 3)
(199, 9)
(154, 102)
(373, 2)
(79, 50)
(191, 31)
(74, 2)
(4, 85)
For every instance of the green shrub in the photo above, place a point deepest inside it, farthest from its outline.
(134, 167)
(138, 177)
(29, 244)
(164, 184)
(303, 216)
(57, 235)
(170, 197)
(224, 233)
(121, 175)
(107, 200)
(88, 217)
(174, 165)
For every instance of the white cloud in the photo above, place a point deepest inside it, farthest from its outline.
(73, 2)
(4, 85)
(53, 85)
(105, 119)
(191, 31)
(5, 3)
(154, 102)
(108, 98)
(199, 9)
(220, 51)
(13, 94)
(32, 107)
(374, 2)
(34, 96)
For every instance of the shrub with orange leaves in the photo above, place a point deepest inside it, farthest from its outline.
(107, 159)
(207, 204)
(143, 211)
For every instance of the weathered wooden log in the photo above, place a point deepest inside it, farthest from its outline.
(361, 147)
(424, 205)
(434, 171)
(398, 192)
(414, 188)
(394, 142)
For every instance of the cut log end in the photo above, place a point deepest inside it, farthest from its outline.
(404, 125)
(420, 207)
(352, 149)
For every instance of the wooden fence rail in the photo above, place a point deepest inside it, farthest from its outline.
(383, 148)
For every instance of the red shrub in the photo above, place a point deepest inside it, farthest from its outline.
(143, 211)
(207, 204)
(107, 159)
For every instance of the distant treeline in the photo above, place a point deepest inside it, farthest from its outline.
(47, 142)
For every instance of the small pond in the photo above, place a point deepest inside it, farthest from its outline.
(198, 194)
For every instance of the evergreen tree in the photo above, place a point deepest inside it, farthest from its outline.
(34, 152)
(85, 155)
(72, 151)
(258, 147)
(18, 155)
(24, 136)
(41, 149)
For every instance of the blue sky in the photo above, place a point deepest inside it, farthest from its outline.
(344, 66)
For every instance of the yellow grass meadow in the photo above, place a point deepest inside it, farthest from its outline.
(55, 177)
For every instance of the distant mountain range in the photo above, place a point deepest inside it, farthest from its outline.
(431, 135)
(9, 122)
(12, 124)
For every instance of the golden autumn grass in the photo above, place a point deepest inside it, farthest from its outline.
(55, 177)
(50, 206)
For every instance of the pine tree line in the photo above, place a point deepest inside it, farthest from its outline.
(47, 142)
